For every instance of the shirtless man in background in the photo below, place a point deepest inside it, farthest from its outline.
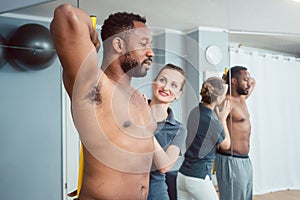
(111, 117)
(234, 167)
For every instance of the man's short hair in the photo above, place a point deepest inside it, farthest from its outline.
(235, 73)
(119, 22)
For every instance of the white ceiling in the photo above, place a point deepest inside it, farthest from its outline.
(267, 24)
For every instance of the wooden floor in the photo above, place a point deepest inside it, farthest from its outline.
(281, 195)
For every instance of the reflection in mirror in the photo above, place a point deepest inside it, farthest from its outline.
(270, 51)
(235, 160)
(273, 109)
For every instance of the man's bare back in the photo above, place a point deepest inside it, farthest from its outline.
(112, 119)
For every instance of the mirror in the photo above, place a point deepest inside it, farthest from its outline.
(271, 55)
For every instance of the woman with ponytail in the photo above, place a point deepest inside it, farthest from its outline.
(207, 130)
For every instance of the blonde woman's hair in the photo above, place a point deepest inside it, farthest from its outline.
(211, 89)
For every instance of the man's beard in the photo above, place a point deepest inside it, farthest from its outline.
(132, 67)
(242, 91)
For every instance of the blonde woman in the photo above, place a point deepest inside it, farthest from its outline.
(170, 134)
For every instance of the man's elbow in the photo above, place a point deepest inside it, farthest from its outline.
(63, 9)
(63, 12)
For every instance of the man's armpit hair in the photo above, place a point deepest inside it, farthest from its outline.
(94, 95)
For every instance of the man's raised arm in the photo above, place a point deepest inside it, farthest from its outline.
(74, 38)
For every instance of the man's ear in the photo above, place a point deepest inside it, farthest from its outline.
(233, 80)
(118, 45)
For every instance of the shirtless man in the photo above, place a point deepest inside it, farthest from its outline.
(233, 167)
(112, 118)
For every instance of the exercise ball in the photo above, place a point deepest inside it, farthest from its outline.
(2, 51)
(31, 47)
